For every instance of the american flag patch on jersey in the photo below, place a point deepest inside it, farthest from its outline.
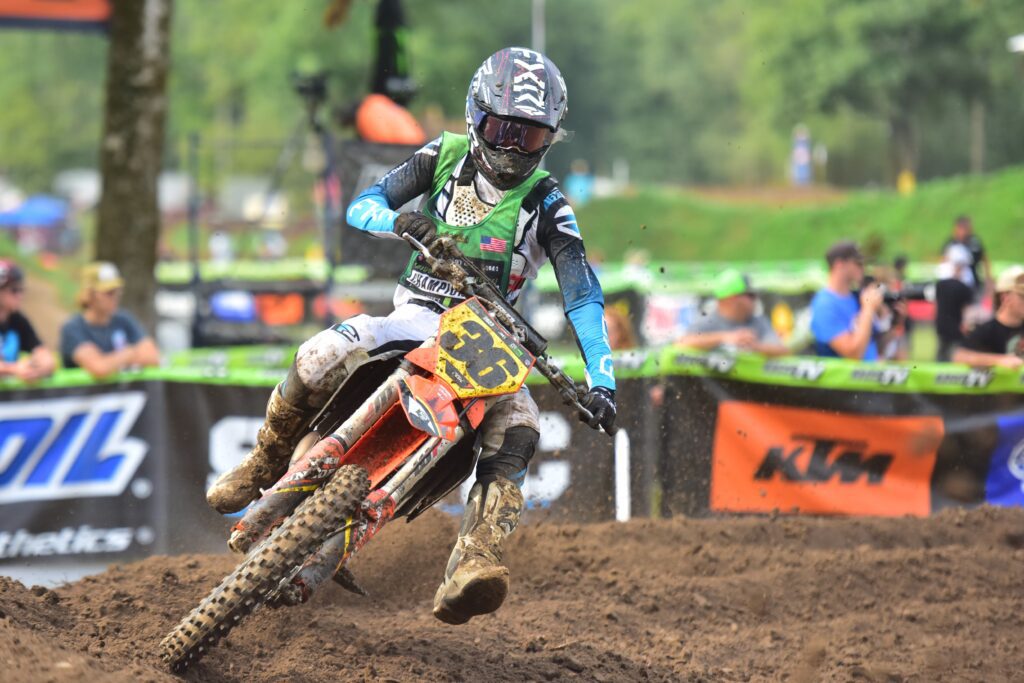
(493, 244)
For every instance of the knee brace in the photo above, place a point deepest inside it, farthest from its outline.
(511, 460)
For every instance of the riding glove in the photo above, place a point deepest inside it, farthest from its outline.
(417, 224)
(600, 401)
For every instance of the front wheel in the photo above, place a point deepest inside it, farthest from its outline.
(264, 568)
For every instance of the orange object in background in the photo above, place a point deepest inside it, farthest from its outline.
(380, 119)
(341, 308)
(769, 457)
(281, 309)
(55, 11)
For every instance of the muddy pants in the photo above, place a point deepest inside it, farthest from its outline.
(510, 429)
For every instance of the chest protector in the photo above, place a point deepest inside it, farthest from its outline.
(489, 243)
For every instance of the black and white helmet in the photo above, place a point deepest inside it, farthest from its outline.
(514, 111)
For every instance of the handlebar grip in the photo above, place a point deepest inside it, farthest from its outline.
(586, 416)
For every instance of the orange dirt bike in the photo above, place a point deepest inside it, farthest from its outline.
(394, 439)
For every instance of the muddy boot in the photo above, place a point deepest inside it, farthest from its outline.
(476, 582)
(267, 462)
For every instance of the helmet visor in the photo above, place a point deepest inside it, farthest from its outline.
(511, 134)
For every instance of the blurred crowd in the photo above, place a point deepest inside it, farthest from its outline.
(102, 338)
(979, 316)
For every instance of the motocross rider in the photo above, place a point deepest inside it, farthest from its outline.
(485, 189)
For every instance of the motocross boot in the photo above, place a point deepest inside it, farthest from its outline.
(476, 581)
(267, 462)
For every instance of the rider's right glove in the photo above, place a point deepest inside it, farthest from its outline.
(601, 403)
(417, 224)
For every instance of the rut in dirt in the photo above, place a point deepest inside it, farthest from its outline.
(798, 599)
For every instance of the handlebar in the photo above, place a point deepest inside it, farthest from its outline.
(453, 266)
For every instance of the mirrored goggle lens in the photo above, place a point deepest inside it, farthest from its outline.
(513, 134)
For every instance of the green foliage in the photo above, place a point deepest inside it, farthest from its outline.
(52, 103)
(684, 90)
(912, 65)
(681, 225)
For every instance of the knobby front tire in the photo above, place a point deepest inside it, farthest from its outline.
(240, 592)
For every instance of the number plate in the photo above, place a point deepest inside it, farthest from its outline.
(476, 356)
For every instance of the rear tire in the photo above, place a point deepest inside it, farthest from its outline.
(265, 567)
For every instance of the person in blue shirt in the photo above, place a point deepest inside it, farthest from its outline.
(843, 324)
(22, 354)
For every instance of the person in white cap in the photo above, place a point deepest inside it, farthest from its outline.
(952, 298)
(1000, 341)
(103, 339)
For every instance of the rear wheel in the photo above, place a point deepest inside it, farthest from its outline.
(264, 568)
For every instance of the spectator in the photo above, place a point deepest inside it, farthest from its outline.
(103, 339)
(733, 324)
(963, 234)
(621, 336)
(899, 270)
(17, 335)
(898, 347)
(843, 324)
(1000, 341)
(952, 297)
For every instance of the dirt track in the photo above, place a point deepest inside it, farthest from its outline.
(791, 599)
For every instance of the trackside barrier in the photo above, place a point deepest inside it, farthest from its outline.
(98, 471)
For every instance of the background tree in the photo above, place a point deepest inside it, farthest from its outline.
(132, 145)
(893, 61)
(686, 91)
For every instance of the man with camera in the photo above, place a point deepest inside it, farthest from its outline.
(844, 324)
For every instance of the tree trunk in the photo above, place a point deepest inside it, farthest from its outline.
(977, 150)
(902, 144)
(132, 148)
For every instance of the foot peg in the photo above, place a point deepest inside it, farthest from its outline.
(344, 578)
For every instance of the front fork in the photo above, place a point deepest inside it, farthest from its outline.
(377, 510)
(314, 467)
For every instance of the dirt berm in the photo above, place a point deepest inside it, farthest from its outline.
(753, 599)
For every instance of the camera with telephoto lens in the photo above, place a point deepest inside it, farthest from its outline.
(889, 297)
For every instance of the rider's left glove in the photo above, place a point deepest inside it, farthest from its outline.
(600, 401)
(417, 224)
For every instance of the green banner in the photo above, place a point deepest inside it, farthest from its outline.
(282, 270)
(266, 365)
(833, 373)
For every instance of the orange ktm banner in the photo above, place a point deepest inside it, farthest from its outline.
(66, 14)
(770, 457)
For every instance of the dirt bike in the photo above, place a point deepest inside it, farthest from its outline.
(393, 440)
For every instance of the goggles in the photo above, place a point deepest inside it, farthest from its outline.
(510, 134)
